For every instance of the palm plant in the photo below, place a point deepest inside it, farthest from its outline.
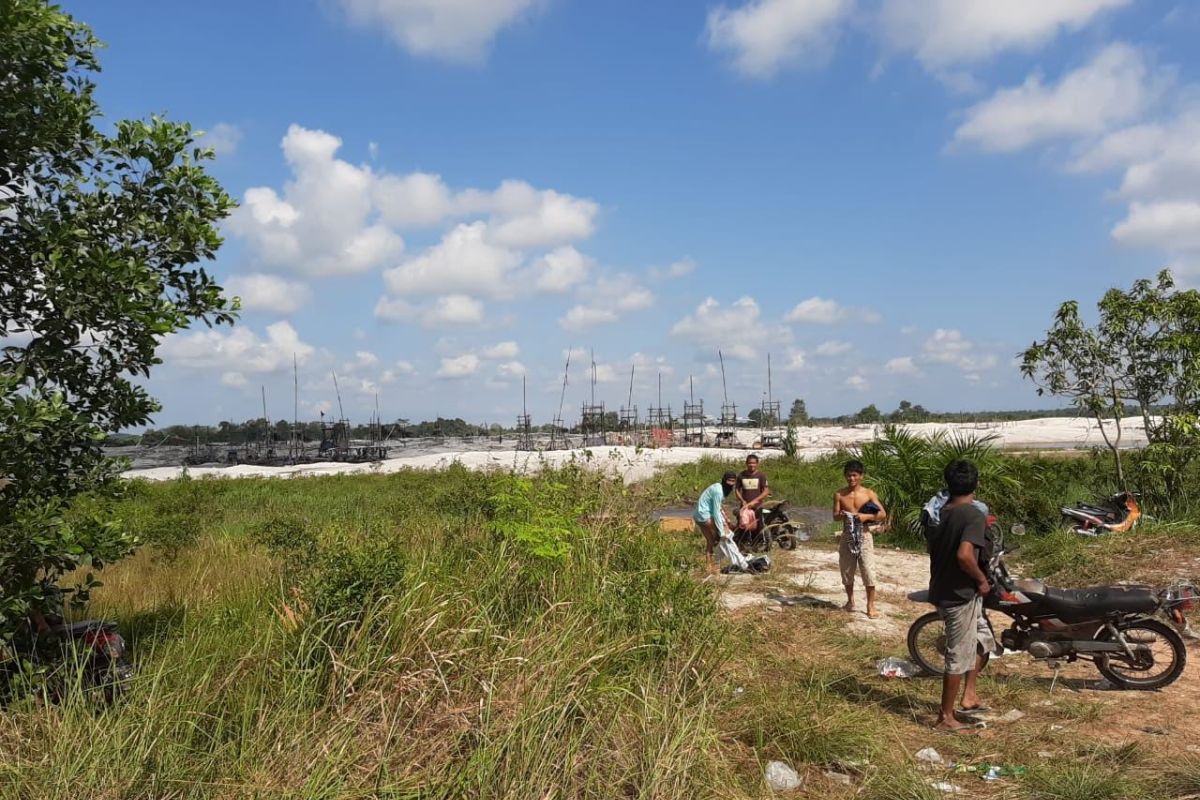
(905, 469)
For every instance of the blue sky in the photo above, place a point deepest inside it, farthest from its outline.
(439, 196)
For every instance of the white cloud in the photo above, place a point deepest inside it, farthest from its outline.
(764, 36)
(819, 311)
(501, 350)
(581, 317)
(223, 138)
(1115, 87)
(943, 33)
(323, 224)
(609, 298)
(365, 359)
(238, 350)
(447, 311)
(795, 360)
(858, 383)
(833, 348)
(738, 331)
(459, 366)
(397, 371)
(268, 293)
(676, 269)
(1168, 225)
(465, 262)
(453, 310)
(510, 369)
(561, 269)
(417, 199)
(525, 217)
(235, 380)
(947, 346)
(904, 365)
(451, 30)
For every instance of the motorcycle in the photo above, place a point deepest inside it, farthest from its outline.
(774, 529)
(1120, 513)
(1113, 627)
(90, 655)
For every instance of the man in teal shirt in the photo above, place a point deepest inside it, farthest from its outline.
(710, 520)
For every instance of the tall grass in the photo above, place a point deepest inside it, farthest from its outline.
(387, 637)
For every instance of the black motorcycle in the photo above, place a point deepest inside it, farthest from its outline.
(90, 655)
(1114, 627)
(774, 529)
(1119, 513)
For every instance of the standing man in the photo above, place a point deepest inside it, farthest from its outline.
(710, 520)
(857, 507)
(959, 550)
(752, 492)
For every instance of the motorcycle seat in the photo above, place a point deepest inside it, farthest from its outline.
(1099, 600)
(77, 629)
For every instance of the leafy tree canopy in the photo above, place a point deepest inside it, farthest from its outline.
(100, 232)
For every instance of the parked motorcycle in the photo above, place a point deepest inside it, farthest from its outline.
(1120, 512)
(1114, 627)
(89, 655)
(774, 529)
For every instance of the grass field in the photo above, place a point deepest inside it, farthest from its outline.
(457, 635)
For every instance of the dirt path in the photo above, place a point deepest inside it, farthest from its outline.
(809, 575)
(1077, 701)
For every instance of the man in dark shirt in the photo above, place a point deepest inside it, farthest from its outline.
(958, 553)
(752, 490)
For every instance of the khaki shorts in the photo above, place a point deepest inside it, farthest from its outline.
(864, 561)
(968, 635)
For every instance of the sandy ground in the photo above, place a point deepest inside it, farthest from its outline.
(635, 464)
(809, 577)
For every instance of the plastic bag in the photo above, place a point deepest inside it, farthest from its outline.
(897, 668)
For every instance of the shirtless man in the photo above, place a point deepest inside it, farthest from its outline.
(856, 500)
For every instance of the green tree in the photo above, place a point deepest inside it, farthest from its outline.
(868, 414)
(799, 413)
(99, 235)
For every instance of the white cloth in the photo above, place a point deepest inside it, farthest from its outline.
(729, 551)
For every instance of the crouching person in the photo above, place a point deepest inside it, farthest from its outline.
(710, 520)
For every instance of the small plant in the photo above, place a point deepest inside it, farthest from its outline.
(790, 446)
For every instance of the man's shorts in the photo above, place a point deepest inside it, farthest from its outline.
(968, 634)
(864, 561)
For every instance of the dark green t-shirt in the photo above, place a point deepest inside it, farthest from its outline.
(949, 584)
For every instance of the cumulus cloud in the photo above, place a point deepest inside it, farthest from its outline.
(1169, 225)
(324, 223)
(609, 298)
(819, 311)
(501, 350)
(223, 138)
(450, 30)
(260, 292)
(1115, 87)
(561, 269)
(948, 346)
(464, 261)
(397, 371)
(238, 351)
(763, 36)
(455, 310)
(903, 365)
(833, 348)
(525, 217)
(795, 360)
(510, 369)
(418, 199)
(944, 33)
(582, 317)
(736, 330)
(858, 383)
(459, 366)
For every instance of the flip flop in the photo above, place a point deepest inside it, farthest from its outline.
(974, 710)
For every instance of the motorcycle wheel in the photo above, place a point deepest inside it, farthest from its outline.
(786, 537)
(927, 643)
(1167, 649)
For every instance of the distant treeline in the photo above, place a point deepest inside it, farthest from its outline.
(257, 430)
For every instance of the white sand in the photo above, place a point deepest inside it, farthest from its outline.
(634, 464)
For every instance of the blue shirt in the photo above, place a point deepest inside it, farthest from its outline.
(709, 507)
